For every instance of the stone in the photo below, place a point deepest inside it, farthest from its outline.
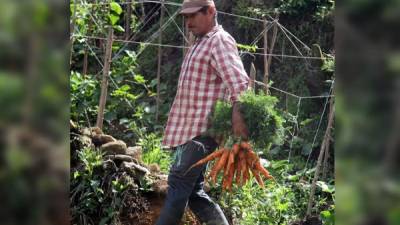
(123, 158)
(160, 187)
(95, 130)
(72, 126)
(154, 168)
(162, 176)
(133, 167)
(86, 131)
(109, 164)
(101, 139)
(135, 152)
(115, 147)
(85, 140)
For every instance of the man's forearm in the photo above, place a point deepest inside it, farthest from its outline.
(238, 124)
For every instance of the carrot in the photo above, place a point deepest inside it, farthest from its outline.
(251, 157)
(224, 183)
(212, 174)
(210, 157)
(231, 160)
(256, 174)
(230, 176)
(238, 171)
(232, 156)
(257, 164)
(249, 161)
(240, 167)
(225, 178)
(219, 165)
(245, 145)
(264, 171)
(245, 172)
(235, 149)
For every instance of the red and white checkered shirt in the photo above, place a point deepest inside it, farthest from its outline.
(211, 70)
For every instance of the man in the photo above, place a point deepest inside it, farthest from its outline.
(211, 70)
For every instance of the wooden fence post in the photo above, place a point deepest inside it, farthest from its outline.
(321, 153)
(327, 145)
(252, 76)
(266, 67)
(72, 31)
(159, 62)
(85, 62)
(268, 51)
(104, 82)
(128, 20)
(271, 47)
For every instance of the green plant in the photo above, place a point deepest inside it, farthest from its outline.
(249, 48)
(328, 216)
(276, 204)
(152, 152)
(85, 184)
(262, 119)
(328, 64)
(264, 122)
(281, 202)
(11, 87)
(98, 193)
(84, 95)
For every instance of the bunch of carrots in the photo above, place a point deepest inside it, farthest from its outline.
(235, 163)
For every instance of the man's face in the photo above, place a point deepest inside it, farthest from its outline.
(200, 23)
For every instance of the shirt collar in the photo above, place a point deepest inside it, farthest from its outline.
(216, 28)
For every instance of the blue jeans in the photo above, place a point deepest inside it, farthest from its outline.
(187, 188)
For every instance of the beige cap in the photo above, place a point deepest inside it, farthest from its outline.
(192, 6)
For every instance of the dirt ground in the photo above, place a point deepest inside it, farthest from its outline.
(150, 216)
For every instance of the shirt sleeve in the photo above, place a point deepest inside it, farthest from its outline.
(228, 65)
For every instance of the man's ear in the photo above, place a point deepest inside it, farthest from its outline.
(211, 10)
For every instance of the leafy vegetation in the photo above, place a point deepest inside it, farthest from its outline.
(264, 132)
(268, 129)
(99, 195)
(152, 152)
(281, 202)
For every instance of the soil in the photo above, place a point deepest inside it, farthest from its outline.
(149, 216)
(312, 220)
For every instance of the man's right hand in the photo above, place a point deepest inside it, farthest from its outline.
(239, 127)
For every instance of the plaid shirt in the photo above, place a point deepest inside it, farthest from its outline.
(211, 70)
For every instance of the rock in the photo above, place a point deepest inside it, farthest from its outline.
(101, 139)
(123, 158)
(207, 187)
(115, 147)
(160, 187)
(162, 176)
(154, 168)
(95, 130)
(109, 164)
(91, 131)
(134, 168)
(86, 131)
(135, 152)
(73, 127)
(85, 140)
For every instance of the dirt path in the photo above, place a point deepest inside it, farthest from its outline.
(156, 203)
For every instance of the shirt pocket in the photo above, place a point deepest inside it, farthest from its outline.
(186, 155)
